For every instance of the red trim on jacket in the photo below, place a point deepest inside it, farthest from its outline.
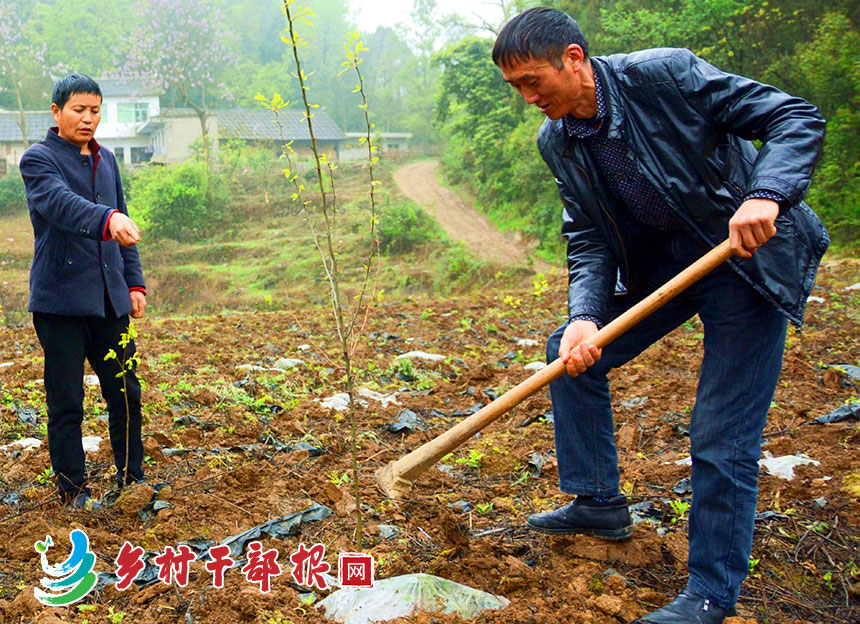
(106, 235)
(94, 150)
(139, 289)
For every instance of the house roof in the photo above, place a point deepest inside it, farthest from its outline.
(260, 124)
(38, 123)
(384, 135)
(114, 87)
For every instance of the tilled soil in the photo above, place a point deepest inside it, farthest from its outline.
(230, 448)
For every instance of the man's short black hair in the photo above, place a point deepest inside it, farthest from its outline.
(538, 33)
(73, 83)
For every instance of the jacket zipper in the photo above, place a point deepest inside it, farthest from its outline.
(611, 220)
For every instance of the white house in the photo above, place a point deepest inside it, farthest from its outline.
(127, 107)
(11, 145)
(354, 149)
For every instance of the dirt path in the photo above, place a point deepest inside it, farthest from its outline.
(461, 221)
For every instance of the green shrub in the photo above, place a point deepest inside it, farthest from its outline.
(835, 195)
(12, 197)
(458, 269)
(404, 226)
(185, 202)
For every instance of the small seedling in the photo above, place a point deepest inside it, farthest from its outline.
(523, 476)
(540, 286)
(595, 584)
(482, 508)
(680, 509)
(473, 459)
(45, 476)
(514, 303)
(167, 358)
(126, 365)
(115, 617)
(405, 367)
(753, 564)
(337, 478)
(84, 609)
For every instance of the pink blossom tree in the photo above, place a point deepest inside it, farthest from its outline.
(182, 46)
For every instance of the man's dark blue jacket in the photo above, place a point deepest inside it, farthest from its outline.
(71, 198)
(689, 126)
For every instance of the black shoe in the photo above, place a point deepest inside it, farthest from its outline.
(688, 608)
(83, 502)
(609, 520)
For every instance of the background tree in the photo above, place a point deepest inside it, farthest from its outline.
(23, 75)
(805, 48)
(87, 39)
(182, 47)
(492, 142)
(832, 58)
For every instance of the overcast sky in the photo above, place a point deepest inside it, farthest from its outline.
(372, 13)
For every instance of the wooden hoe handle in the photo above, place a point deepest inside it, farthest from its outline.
(396, 478)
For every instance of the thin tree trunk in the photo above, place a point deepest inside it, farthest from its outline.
(204, 131)
(203, 116)
(22, 123)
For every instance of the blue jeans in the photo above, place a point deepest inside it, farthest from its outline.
(743, 346)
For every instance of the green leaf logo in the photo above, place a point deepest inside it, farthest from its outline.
(73, 579)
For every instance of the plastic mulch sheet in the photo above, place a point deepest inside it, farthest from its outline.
(401, 596)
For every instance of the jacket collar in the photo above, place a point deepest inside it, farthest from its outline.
(568, 145)
(610, 93)
(53, 137)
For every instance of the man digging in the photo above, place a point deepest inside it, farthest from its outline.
(653, 158)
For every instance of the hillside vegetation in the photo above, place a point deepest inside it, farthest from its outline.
(247, 246)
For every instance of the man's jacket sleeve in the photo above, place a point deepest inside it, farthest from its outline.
(49, 195)
(790, 129)
(592, 270)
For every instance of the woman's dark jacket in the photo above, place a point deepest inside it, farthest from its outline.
(73, 266)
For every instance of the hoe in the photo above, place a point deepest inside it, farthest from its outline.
(396, 478)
